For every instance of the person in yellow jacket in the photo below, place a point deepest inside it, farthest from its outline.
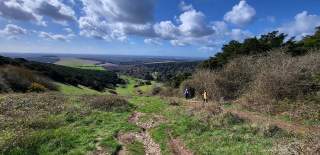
(205, 96)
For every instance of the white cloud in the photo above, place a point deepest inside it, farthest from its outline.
(110, 19)
(68, 30)
(193, 24)
(185, 7)
(153, 41)
(303, 24)
(35, 10)
(12, 31)
(191, 28)
(239, 34)
(166, 30)
(241, 14)
(58, 37)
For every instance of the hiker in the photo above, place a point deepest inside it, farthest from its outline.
(205, 96)
(186, 93)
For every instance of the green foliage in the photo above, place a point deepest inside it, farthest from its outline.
(250, 46)
(95, 79)
(170, 73)
(136, 148)
(261, 45)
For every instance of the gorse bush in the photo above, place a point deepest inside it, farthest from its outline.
(36, 87)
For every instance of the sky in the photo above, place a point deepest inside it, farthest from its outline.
(189, 28)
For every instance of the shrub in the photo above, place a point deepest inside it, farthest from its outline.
(110, 103)
(260, 79)
(283, 77)
(174, 102)
(271, 131)
(156, 90)
(228, 83)
(113, 92)
(148, 82)
(20, 79)
(4, 88)
(36, 87)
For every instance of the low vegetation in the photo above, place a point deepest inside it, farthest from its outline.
(50, 123)
(110, 103)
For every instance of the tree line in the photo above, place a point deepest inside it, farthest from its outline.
(261, 45)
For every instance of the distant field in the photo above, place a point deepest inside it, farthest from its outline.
(80, 63)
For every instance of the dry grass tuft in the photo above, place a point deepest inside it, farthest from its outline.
(109, 103)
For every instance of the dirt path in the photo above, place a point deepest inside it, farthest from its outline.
(260, 119)
(151, 147)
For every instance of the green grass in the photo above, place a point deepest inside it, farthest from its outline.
(75, 131)
(128, 89)
(148, 88)
(80, 63)
(136, 148)
(201, 137)
(198, 136)
(72, 132)
(73, 90)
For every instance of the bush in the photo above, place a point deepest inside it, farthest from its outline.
(110, 103)
(174, 101)
(19, 79)
(148, 82)
(4, 88)
(271, 131)
(227, 84)
(113, 92)
(156, 90)
(36, 87)
(262, 79)
(283, 77)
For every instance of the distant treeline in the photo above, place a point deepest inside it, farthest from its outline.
(94, 79)
(172, 73)
(261, 45)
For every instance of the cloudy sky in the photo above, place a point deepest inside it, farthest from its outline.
(194, 28)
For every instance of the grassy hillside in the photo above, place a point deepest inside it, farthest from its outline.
(79, 120)
(94, 79)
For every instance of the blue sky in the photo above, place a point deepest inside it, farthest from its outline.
(193, 28)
